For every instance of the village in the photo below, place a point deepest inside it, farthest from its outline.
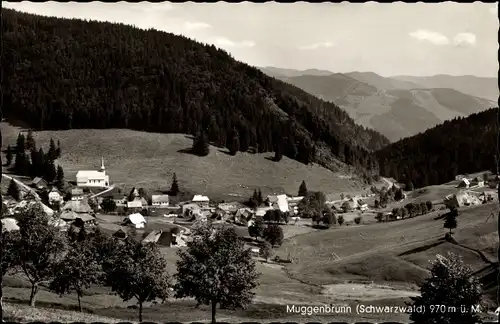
(92, 199)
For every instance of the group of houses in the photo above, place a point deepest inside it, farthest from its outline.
(465, 182)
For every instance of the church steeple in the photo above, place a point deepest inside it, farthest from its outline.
(103, 168)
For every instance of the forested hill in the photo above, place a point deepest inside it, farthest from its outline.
(68, 73)
(460, 146)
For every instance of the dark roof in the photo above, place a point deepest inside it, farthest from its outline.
(38, 180)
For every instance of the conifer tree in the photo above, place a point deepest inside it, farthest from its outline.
(51, 155)
(174, 189)
(20, 144)
(9, 156)
(13, 190)
(303, 189)
(278, 152)
(60, 177)
(234, 146)
(30, 141)
(58, 150)
(50, 171)
(200, 144)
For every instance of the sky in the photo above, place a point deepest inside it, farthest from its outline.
(419, 39)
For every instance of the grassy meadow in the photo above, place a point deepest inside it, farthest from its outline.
(148, 160)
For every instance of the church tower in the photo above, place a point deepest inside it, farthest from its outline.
(103, 169)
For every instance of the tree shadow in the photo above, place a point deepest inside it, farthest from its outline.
(270, 158)
(24, 127)
(188, 151)
(422, 248)
(225, 152)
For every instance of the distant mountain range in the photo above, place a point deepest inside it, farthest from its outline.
(398, 106)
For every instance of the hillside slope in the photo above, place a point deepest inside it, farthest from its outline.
(459, 146)
(149, 160)
(393, 107)
(69, 73)
(481, 87)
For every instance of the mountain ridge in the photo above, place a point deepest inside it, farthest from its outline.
(395, 108)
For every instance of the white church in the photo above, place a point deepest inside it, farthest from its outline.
(92, 178)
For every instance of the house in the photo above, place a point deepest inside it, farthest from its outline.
(271, 200)
(71, 216)
(464, 183)
(160, 237)
(461, 198)
(459, 177)
(493, 182)
(349, 205)
(92, 178)
(231, 207)
(281, 203)
(39, 183)
(261, 211)
(68, 215)
(243, 216)
(160, 200)
(255, 251)
(201, 200)
(117, 195)
(57, 222)
(143, 201)
(76, 194)
(136, 203)
(78, 206)
(55, 195)
(9, 224)
(477, 181)
(120, 234)
(189, 207)
(363, 207)
(294, 200)
(136, 220)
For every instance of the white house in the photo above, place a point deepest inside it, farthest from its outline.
(55, 195)
(477, 181)
(76, 194)
(464, 183)
(92, 178)
(201, 200)
(136, 203)
(136, 220)
(160, 200)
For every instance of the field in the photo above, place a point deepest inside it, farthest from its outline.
(395, 253)
(148, 160)
(375, 264)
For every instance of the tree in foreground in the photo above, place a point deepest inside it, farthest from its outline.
(77, 271)
(13, 190)
(450, 221)
(139, 271)
(451, 284)
(40, 249)
(216, 269)
(273, 234)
